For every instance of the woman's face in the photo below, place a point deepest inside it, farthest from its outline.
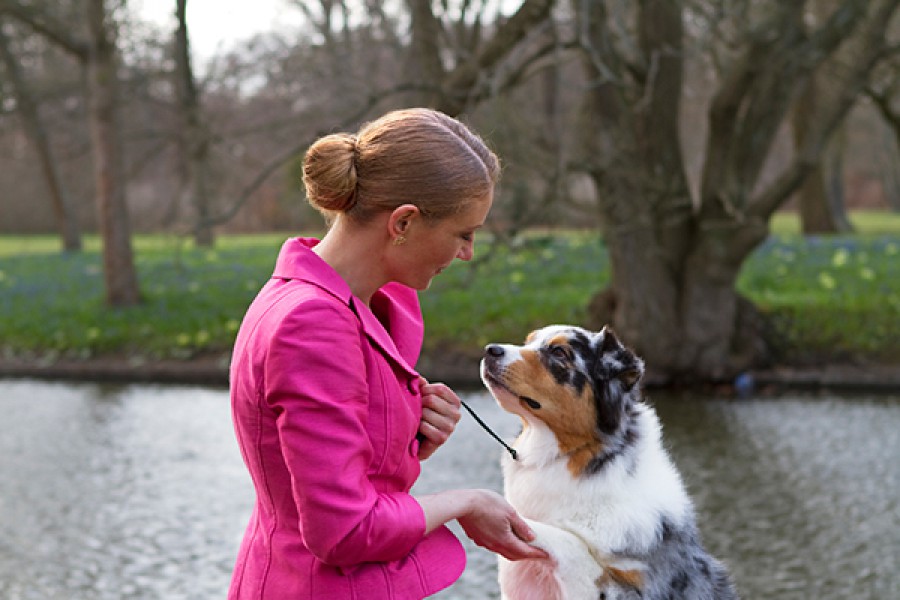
(431, 246)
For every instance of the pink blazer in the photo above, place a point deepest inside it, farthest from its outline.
(326, 407)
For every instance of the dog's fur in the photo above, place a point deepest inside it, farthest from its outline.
(592, 478)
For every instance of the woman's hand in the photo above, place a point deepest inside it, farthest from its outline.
(440, 414)
(486, 517)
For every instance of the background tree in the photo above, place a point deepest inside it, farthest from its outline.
(193, 138)
(28, 109)
(884, 92)
(675, 261)
(97, 51)
(820, 198)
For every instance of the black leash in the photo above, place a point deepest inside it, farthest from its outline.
(512, 451)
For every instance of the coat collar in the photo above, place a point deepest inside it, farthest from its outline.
(399, 330)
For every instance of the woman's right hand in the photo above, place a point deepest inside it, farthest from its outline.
(486, 517)
(492, 523)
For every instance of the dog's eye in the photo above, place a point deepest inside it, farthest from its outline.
(562, 352)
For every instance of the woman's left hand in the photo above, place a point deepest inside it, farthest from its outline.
(440, 414)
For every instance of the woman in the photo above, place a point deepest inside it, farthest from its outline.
(331, 417)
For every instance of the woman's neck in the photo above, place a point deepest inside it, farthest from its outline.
(355, 252)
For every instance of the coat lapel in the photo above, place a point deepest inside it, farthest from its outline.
(398, 305)
(379, 336)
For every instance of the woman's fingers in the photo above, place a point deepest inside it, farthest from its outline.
(440, 414)
(496, 526)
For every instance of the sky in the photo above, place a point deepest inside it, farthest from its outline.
(220, 24)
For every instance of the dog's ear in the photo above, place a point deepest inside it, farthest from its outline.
(615, 361)
(616, 371)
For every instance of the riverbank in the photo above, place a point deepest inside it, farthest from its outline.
(459, 372)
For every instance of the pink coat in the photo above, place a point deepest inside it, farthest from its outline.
(326, 407)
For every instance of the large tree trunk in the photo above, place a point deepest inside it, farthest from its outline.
(66, 216)
(194, 139)
(112, 210)
(636, 164)
(674, 266)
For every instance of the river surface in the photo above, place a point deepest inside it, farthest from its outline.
(139, 492)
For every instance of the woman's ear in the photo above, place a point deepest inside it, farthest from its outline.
(400, 220)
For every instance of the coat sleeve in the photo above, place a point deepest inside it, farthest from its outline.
(316, 383)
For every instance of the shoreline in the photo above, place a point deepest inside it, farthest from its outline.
(458, 372)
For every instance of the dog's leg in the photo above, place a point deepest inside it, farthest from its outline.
(571, 572)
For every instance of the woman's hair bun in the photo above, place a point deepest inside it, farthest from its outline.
(329, 172)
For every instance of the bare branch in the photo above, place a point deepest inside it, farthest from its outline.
(849, 69)
(461, 81)
(288, 154)
(43, 23)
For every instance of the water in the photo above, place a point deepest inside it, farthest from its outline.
(138, 492)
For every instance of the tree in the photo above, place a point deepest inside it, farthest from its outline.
(340, 86)
(884, 92)
(27, 105)
(97, 51)
(820, 197)
(193, 138)
(675, 260)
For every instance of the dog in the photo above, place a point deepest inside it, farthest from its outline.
(592, 478)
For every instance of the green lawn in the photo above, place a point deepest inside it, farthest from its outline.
(826, 295)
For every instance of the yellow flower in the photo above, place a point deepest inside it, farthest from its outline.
(840, 257)
(827, 281)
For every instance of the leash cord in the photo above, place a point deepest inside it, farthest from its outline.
(512, 451)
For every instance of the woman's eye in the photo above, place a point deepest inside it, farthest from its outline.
(468, 237)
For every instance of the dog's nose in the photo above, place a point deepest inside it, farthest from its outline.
(494, 350)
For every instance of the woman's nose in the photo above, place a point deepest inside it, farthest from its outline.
(467, 251)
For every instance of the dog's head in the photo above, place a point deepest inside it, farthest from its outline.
(579, 383)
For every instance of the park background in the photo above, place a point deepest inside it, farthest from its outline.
(717, 179)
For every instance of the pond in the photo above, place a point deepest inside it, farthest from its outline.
(138, 491)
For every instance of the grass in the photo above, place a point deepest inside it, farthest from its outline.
(826, 296)
(193, 298)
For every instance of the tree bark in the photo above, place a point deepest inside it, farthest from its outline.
(112, 210)
(820, 196)
(66, 216)
(672, 294)
(194, 141)
(425, 53)
(883, 101)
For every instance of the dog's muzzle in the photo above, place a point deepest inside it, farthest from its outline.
(491, 363)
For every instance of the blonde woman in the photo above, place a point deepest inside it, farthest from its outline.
(330, 414)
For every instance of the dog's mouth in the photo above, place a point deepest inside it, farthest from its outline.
(495, 382)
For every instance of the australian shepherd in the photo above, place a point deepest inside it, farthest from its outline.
(592, 478)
